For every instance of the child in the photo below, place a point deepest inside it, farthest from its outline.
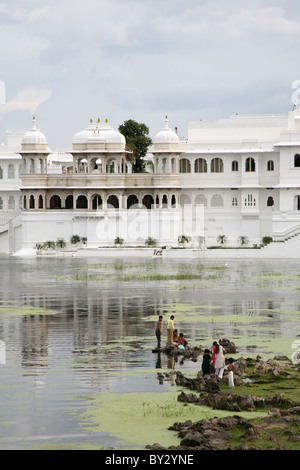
(230, 369)
(181, 340)
(206, 363)
(175, 336)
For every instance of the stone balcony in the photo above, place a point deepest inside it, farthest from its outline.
(128, 180)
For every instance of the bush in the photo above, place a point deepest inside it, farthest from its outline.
(75, 239)
(150, 242)
(266, 240)
(182, 239)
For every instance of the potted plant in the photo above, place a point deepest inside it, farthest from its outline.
(222, 239)
(75, 239)
(243, 240)
(60, 243)
(119, 241)
(150, 241)
(84, 240)
(183, 239)
(39, 247)
(49, 245)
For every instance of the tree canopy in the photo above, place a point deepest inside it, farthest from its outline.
(138, 141)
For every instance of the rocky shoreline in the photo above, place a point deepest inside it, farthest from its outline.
(279, 428)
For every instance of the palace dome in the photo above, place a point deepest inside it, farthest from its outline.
(34, 136)
(34, 140)
(101, 134)
(166, 135)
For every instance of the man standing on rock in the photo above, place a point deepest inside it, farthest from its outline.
(170, 329)
(158, 331)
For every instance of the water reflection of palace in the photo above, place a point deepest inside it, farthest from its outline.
(118, 323)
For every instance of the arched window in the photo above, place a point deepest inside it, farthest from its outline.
(234, 201)
(148, 201)
(96, 202)
(270, 165)
(69, 202)
(184, 165)
(11, 172)
(216, 201)
(1, 173)
(132, 200)
(31, 202)
(173, 200)
(250, 164)
(200, 165)
(235, 166)
(11, 203)
(1, 204)
(297, 203)
(270, 201)
(81, 202)
(201, 200)
(113, 201)
(216, 165)
(164, 201)
(185, 199)
(41, 202)
(32, 166)
(297, 160)
(55, 202)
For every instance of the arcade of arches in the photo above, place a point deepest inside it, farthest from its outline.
(96, 201)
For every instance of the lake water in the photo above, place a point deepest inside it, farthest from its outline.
(71, 328)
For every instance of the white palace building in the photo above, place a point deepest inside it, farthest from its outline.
(235, 177)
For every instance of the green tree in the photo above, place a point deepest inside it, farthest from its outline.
(138, 141)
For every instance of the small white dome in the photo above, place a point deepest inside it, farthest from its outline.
(98, 133)
(114, 137)
(34, 136)
(166, 135)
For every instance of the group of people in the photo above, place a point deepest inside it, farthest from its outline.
(214, 357)
(217, 359)
(173, 337)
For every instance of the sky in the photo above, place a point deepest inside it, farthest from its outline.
(68, 61)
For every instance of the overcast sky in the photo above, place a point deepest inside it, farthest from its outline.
(66, 61)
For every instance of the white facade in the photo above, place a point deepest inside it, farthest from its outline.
(237, 177)
(10, 194)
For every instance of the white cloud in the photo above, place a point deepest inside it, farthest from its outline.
(28, 100)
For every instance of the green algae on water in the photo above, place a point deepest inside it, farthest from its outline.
(139, 419)
(19, 309)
